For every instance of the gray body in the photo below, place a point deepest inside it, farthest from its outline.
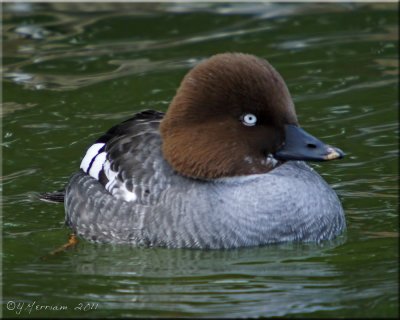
(290, 203)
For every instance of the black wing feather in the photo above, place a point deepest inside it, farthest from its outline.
(121, 139)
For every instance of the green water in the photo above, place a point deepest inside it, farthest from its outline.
(71, 71)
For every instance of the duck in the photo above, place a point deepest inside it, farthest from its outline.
(224, 167)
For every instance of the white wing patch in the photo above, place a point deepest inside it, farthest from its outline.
(94, 162)
(124, 193)
(116, 187)
(91, 153)
(97, 165)
(111, 176)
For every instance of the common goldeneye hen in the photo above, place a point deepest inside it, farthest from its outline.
(222, 168)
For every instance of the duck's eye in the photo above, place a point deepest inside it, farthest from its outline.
(249, 119)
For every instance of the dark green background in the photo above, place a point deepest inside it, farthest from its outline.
(71, 71)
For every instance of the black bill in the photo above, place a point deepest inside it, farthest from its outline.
(300, 145)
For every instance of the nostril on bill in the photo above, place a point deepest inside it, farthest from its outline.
(311, 145)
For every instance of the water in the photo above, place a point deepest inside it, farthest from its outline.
(71, 71)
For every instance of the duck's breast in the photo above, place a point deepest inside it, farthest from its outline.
(291, 203)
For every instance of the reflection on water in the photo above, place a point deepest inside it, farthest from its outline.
(258, 280)
(72, 70)
(164, 263)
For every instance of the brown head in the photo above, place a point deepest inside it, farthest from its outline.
(228, 118)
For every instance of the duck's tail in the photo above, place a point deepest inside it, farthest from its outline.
(53, 197)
